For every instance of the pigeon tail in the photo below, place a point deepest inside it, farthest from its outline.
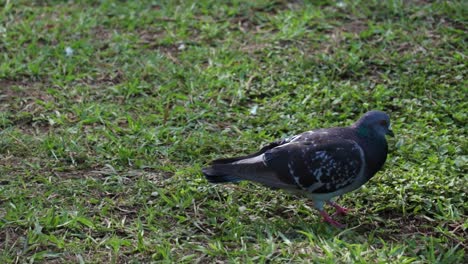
(251, 169)
(216, 175)
(222, 170)
(227, 171)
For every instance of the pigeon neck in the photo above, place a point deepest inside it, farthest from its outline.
(375, 148)
(368, 133)
(363, 131)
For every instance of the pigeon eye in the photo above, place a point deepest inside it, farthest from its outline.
(383, 122)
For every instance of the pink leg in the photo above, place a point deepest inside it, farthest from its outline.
(329, 220)
(339, 210)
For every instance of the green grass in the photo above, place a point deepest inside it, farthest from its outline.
(101, 151)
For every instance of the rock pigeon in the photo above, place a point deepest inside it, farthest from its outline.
(319, 164)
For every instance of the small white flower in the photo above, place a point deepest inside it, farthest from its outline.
(3, 31)
(242, 209)
(253, 110)
(68, 51)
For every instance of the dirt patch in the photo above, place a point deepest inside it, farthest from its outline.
(6, 83)
(103, 79)
(336, 36)
(23, 101)
(100, 33)
(251, 48)
(22, 95)
(246, 23)
(106, 171)
(418, 2)
(151, 39)
(355, 27)
(10, 238)
(10, 161)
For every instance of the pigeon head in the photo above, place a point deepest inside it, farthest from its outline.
(375, 123)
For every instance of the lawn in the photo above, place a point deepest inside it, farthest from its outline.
(109, 110)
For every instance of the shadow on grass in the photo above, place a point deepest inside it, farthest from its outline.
(389, 226)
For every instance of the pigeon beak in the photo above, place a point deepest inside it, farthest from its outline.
(390, 133)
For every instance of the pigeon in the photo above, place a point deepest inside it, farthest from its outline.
(319, 164)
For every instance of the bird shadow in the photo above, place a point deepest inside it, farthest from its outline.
(387, 225)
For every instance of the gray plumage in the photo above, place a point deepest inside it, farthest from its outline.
(319, 164)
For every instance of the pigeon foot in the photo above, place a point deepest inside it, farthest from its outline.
(339, 210)
(328, 219)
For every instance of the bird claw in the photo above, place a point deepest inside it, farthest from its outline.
(328, 219)
(339, 210)
(335, 223)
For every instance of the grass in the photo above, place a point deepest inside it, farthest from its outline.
(101, 149)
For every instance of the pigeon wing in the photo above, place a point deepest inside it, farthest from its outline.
(318, 167)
